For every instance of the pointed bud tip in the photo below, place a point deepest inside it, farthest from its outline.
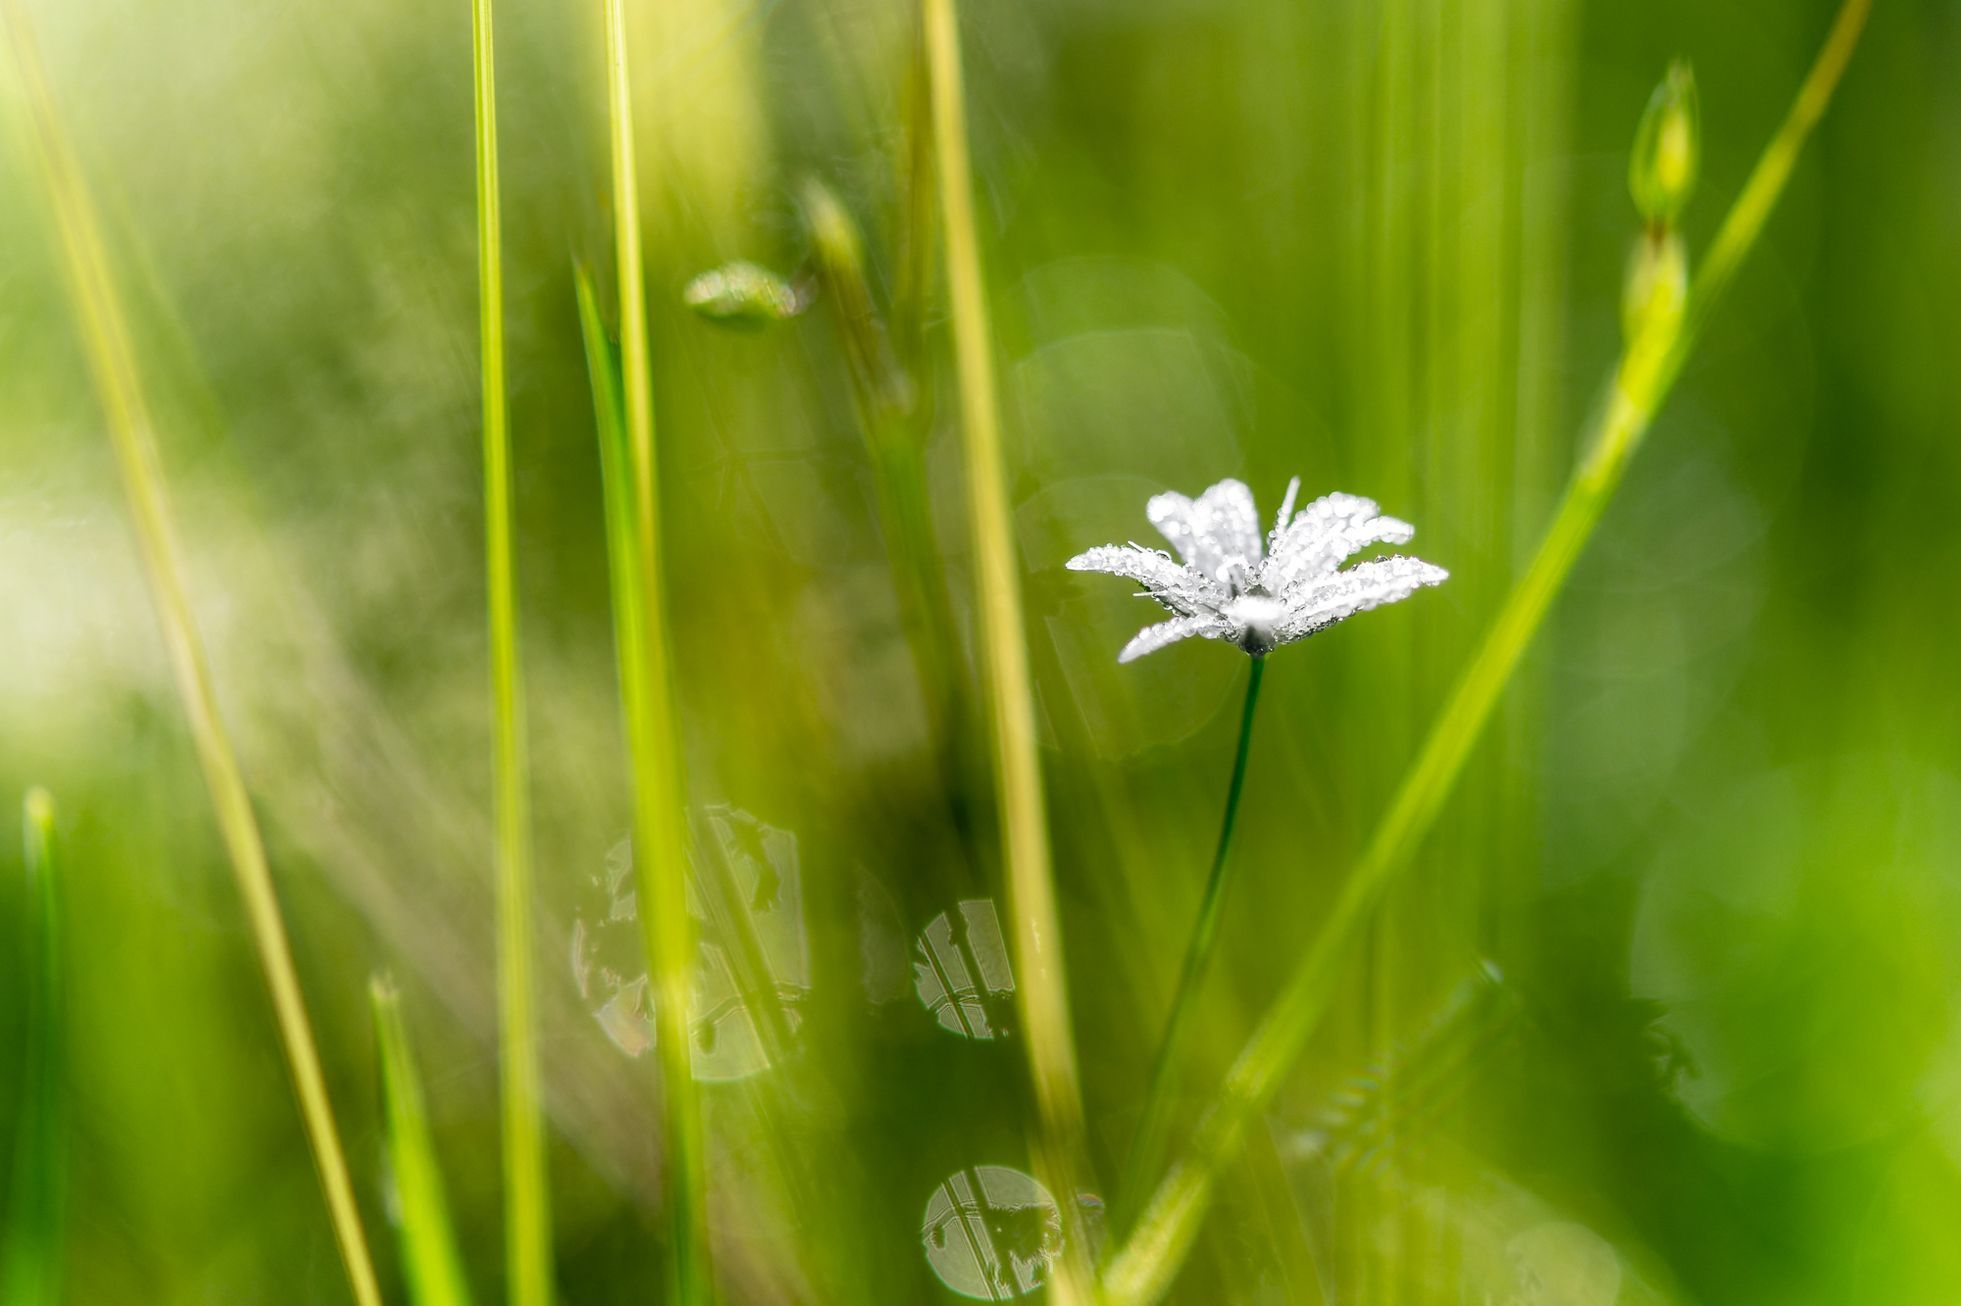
(1661, 171)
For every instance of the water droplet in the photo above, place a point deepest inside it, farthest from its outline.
(991, 1233)
(960, 971)
(751, 972)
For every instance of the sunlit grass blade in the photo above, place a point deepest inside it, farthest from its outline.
(30, 1252)
(1144, 1268)
(660, 857)
(609, 413)
(430, 1261)
(527, 1206)
(1042, 998)
(112, 364)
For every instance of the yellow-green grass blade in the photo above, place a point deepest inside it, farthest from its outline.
(112, 363)
(527, 1206)
(30, 1253)
(430, 1261)
(608, 406)
(1043, 1000)
(1143, 1270)
(660, 858)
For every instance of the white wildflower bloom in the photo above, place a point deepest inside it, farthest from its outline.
(1260, 595)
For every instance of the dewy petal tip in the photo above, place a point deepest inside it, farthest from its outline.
(1228, 585)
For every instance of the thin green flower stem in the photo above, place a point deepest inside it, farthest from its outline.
(1147, 1148)
(527, 1206)
(112, 364)
(431, 1264)
(1042, 998)
(1143, 1270)
(30, 1246)
(660, 855)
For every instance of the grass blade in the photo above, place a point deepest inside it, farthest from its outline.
(112, 364)
(30, 1255)
(430, 1261)
(1042, 997)
(660, 856)
(1143, 1270)
(527, 1207)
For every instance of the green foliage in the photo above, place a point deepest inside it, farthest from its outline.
(430, 1261)
(1703, 818)
(31, 1240)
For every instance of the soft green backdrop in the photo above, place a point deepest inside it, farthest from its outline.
(1712, 850)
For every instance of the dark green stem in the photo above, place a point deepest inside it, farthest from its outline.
(1147, 1147)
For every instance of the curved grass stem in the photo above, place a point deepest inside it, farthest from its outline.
(112, 364)
(1143, 1269)
(1147, 1148)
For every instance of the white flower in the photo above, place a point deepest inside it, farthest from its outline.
(1232, 588)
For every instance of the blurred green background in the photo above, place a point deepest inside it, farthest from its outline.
(1666, 1011)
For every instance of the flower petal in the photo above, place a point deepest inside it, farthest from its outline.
(1286, 511)
(1152, 638)
(1180, 589)
(1325, 534)
(1319, 604)
(1219, 529)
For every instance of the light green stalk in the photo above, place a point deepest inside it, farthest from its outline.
(1143, 1270)
(1042, 997)
(527, 1206)
(1147, 1148)
(660, 855)
(30, 1252)
(430, 1261)
(112, 363)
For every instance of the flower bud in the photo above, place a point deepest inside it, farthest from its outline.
(1656, 289)
(743, 295)
(1661, 172)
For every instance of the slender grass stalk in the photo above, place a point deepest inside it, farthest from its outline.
(430, 1261)
(30, 1252)
(527, 1206)
(660, 857)
(1142, 1271)
(1147, 1148)
(1042, 996)
(112, 363)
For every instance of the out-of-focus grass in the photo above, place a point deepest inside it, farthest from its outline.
(1376, 244)
(32, 1247)
(527, 1205)
(640, 616)
(431, 1264)
(1008, 691)
(1660, 341)
(119, 387)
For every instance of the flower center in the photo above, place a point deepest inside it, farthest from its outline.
(1256, 621)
